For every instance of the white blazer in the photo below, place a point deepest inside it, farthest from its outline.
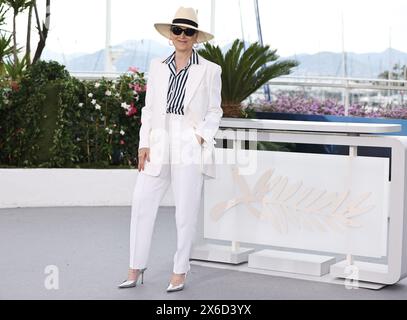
(202, 109)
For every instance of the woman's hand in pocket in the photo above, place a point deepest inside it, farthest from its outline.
(199, 138)
(143, 156)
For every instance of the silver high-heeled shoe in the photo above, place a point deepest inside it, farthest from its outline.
(132, 283)
(179, 287)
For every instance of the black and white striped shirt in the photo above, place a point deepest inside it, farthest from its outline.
(176, 86)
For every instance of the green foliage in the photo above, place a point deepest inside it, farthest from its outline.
(15, 69)
(6, 46)
(50, 119)
(3, 11)
(248, 112)
(24, 114)
(8, 128)
(245, 71)
(43, 72)
(5, 51)
(112, 113)
(275, 146)
(17, 5)
(12, 68)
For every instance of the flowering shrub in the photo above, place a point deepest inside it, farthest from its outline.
(35, 129)
(299, 103)
(5, 92)
(112, 111)
(50, 119)
(6, 130)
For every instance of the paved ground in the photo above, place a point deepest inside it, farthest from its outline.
(89, 246)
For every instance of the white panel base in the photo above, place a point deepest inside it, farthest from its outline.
(293, 262)
(220, 253)
(365, 270)
(323, 279)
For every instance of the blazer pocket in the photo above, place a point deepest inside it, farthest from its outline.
(195, 138)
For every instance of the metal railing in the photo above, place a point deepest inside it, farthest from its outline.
(344, 83)
(379, 88)
(96, 75)
(384, 89)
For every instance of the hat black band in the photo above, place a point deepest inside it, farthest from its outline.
(186, 21)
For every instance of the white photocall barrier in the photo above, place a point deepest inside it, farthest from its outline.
(346, 205)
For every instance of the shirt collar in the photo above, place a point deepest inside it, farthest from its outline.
(193, 59)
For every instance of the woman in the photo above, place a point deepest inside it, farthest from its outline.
(179, 122)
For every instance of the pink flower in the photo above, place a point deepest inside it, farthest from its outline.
(122, 142)
(139, 88)
(15, 86)
(133, 69)
(132, 110)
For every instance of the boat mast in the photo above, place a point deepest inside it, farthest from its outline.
(260, 37)
(241, 26)
(345, 70)
(108, 52)
(212, 16)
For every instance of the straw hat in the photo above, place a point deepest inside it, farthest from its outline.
(184, 17)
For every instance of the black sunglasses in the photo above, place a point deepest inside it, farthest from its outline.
(177, 31)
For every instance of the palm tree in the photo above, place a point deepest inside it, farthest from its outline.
(6, 50)
(6, 47)
(17, 6)
(244, 73)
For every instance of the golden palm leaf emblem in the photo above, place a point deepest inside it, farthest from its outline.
(286, 204)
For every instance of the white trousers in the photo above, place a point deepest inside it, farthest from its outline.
(182, 171)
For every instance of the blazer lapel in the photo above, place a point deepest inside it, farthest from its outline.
(195, 75)
(163, 75)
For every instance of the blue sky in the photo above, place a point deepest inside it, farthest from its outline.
(290, 26)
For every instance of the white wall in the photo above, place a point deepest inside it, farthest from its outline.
(69, 187)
